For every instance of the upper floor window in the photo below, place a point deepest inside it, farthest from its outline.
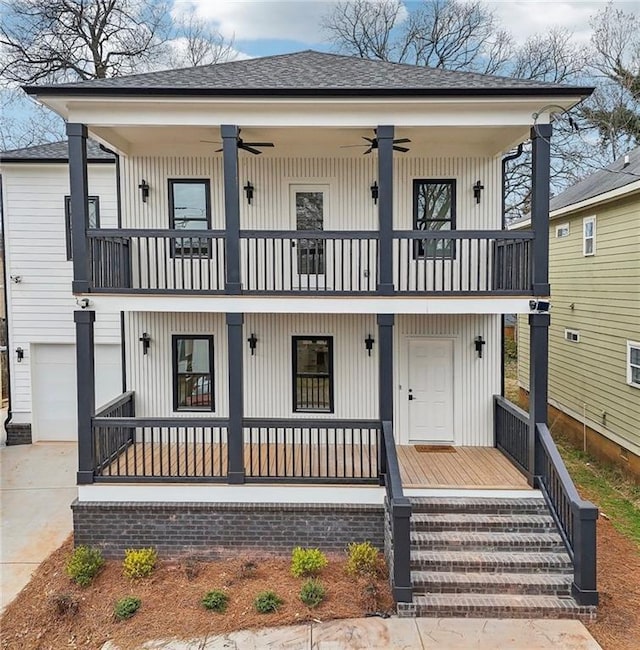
(192, 373)
(190, 209)
(313, 374)
(633, 363)
(589, 236)
(94, 220)
(562, 230)
(434, 210)
(310, 205)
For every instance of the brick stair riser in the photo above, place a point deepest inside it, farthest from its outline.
(453, 566)
(490, 611)
(449, 508)
(473, 527)
(491, 588)
(515, 546)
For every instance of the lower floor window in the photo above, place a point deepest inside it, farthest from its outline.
(313, 374)
(633, 363)
(192, 373)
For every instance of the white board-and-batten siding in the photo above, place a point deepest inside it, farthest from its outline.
(41, 305)
(268, 380)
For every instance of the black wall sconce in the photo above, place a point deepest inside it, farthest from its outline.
(19, 354)
(144, 189)
(253, 343)
(375, 192)
(145, 339)
(479, 342)
(368, 343)
(477, 191)
(248, 191)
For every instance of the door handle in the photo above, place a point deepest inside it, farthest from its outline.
(410, 394)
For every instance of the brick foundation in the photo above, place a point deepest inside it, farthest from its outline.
(218, 529)
(18, 433)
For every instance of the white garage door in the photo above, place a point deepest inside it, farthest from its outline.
(53, 387)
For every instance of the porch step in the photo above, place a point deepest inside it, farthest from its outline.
(442, 582)
(549, 542)
(495, 606)
(484, 506)
(491, 561)
(512, 523)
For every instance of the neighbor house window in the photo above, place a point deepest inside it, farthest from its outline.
(434, 210)
(94, 219)
(572, 335)
(192, 373)
(190, 209)
(313, 374)
(562, 230)
(633, 363)
(589, 235)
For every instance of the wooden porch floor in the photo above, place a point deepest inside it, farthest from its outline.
(463, 467)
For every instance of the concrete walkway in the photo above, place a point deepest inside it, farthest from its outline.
(37, 486)
(400, 634)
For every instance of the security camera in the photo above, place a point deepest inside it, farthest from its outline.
(540, 306)
(83, 303)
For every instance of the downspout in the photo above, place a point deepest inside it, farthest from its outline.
(6, 309)
(505, 160)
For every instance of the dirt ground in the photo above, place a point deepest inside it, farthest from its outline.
(171, 602)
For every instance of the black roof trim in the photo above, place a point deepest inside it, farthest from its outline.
(58, 161)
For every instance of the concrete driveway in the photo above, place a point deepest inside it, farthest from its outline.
(37, 486)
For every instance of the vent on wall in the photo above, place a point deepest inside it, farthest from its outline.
(572, 335)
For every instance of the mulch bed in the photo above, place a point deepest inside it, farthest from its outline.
(171, 602)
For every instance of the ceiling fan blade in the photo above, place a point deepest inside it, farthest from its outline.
(370, 140)
(401, 141)
(211, 141)
(259, 144)
(369, 150)
(351, 146)
(250, 149)
(403, 149)
(217, 151)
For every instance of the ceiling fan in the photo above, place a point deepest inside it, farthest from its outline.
(373, 144)
(247, 146)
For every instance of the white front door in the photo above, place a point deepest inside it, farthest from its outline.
(430, 391)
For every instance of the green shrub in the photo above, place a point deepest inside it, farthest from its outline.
(307, 562)
(267, 602)
(215, 600)
(362, 559)
(126, 607)
(312, 593)
(139, 563)
(84, 564)
(510, 348)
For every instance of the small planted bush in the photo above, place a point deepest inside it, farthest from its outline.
(312, 592)
(126, 607)
(139, 563)
(84, 564)
(362, 559)
(267, 602)
(306, 562)
(215, 600)
(64, 605)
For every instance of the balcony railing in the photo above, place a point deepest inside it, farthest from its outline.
(310, 262)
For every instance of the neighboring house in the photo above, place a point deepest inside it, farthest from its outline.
(311, 268)
(594, 269)
(35, 197)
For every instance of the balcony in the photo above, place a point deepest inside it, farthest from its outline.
(327, 263)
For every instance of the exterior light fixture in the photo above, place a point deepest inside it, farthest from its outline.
(479, 342)
(248, 191)
(253, 343)
(368, 343)
(19, 354)
(375, 192)
(477, 191)
(145, 339)
(144, 189)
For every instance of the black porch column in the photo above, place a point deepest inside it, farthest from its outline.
(230, 134)
(385, 376)
(384, 134)
(538, 378)
(235, 441)
(540, 170)
(85, 367)
(79, 187)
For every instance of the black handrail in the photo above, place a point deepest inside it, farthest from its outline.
(113, 439)
(512, 433)
(399, 508)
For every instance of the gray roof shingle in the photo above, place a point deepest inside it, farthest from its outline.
(616, 175)
(309, 73)
(54, 152)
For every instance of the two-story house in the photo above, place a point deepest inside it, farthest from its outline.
(311, 269)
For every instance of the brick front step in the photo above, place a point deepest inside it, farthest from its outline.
(490, 562)
(441, 582)
(494, 606)
(433, 522)
(492, 541)
(495, 506)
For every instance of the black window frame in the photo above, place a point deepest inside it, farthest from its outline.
(67, 221)
(419, 252)
(174, 372)
(202, 251)
(294, 374)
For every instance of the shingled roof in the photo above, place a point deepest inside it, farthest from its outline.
(309, 73)
(613, 177)
(54, 152)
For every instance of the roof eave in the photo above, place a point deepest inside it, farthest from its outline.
(59, 161)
